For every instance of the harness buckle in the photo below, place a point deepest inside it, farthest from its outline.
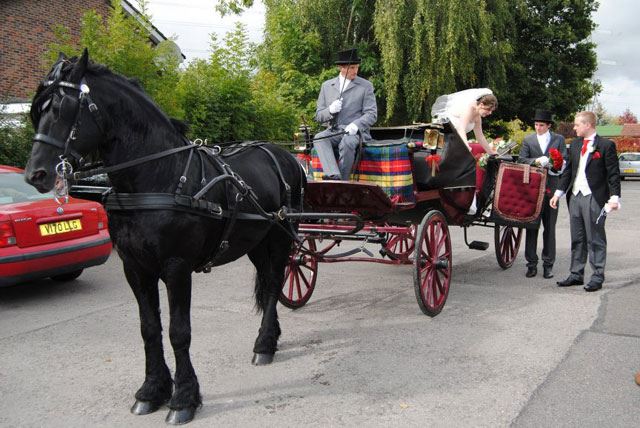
(93, 107)
(282, 213)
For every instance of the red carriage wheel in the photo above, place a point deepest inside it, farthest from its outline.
(432, 263)
(300, 275)
(399, 246)
(507, 243)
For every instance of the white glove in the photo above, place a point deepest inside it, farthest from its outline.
(542, 161)
(335, 106)
(351, 129)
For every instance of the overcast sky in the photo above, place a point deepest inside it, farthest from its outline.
(617, 38)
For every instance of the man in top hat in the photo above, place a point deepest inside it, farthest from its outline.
(348, 106)
(591, 181)
(535, 151)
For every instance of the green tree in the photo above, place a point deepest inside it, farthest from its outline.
(412, 51)
(553, 59)
(532, 53)
(122, 44)
(15, 139)
(225, 100)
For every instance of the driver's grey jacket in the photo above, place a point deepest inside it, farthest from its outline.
(358, 104)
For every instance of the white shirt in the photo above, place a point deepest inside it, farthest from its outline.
(344, 83)
(581, 184)
(543, 141)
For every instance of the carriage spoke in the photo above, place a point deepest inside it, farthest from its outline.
(304, 279)
(291, 278)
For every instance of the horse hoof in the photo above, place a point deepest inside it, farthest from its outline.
(262, 359)
(144, 407)
(180, 417)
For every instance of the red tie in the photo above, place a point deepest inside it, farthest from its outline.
(584, 146)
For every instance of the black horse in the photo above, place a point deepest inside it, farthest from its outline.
(177, 208)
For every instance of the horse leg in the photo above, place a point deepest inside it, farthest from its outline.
(186, 397)
(269, 258)
(157, 386)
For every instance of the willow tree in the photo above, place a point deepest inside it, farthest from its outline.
(432, 47)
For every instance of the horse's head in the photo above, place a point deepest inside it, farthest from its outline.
(66, 122)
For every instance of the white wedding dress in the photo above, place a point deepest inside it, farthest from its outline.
(451, 108)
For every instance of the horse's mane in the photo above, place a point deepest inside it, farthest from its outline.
(63, 66)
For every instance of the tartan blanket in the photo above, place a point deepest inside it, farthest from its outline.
(384, 164)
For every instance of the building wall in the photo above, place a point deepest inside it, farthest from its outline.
(26, 29)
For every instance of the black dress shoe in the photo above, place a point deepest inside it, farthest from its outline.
(548, 273)
(569, 282)
(592, 286)
(531, 272)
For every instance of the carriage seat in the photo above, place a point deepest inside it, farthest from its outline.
(382, 162)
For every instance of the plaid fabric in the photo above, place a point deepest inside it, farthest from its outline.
(386, 165)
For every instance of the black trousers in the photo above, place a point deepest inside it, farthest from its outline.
(548, 218)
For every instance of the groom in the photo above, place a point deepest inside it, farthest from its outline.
(535, 151)
(591, 181)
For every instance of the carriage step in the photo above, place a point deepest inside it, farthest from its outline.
(479, 245)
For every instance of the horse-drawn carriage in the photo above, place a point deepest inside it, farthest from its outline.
(176, 207)
(407, 187)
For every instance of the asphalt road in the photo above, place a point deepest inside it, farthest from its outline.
(506, 350)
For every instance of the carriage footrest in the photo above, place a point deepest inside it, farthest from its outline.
(478, 245)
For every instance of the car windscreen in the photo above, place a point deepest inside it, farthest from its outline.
(630, 157)
(14, 189)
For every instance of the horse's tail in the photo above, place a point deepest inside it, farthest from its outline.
(260, 293)
(279, 246)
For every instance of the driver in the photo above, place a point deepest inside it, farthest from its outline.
(346, 103)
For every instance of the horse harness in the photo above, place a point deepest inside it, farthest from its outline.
(235, 188)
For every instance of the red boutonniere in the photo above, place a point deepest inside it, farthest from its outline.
(433, 160)
(556, 159)
(596, 155)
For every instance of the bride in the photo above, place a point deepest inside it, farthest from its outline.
(465, 110)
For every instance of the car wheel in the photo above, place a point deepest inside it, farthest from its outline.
(67, 276)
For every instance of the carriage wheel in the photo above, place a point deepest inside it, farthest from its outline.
(432, 263)
(299, 276)
(507, 243)
(400, 246)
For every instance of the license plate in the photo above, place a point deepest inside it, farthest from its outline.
(60, 227)
(629, 170)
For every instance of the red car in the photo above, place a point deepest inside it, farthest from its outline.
(40, 238)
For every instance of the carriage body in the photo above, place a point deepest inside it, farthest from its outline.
(412, 228)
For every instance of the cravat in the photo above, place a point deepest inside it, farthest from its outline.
(584, 146)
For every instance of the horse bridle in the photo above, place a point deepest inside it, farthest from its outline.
(82, 101)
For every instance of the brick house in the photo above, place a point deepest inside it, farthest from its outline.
(27, 28)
